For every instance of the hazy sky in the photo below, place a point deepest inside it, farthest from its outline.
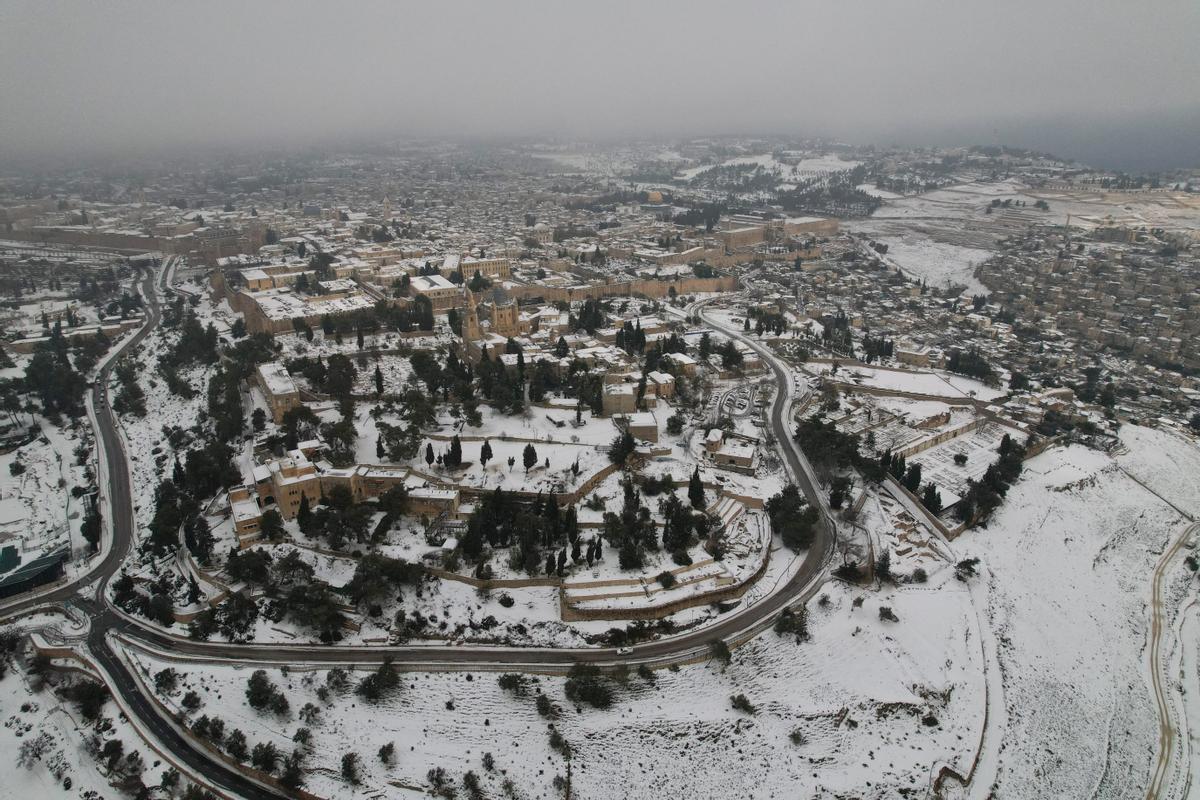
(128, 75)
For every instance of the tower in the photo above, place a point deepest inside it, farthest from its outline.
(471, 331)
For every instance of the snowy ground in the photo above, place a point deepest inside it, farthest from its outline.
(149, 453)
(36, 719)
(938, 384)
(942, 236)
(857, 693)
(1070, 554)
(937, 263)
(37, 511)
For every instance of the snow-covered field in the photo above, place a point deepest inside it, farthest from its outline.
(813, 166)
(937, 263)
(940, 236)
(1070, 555)
(46, 744)
(939, 384)
(857, 694)
(37, 511)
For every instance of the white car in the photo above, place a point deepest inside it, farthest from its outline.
(624, 651)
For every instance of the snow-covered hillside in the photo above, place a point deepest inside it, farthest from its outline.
(1070, 556)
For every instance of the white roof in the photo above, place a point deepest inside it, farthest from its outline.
(426, 283)
(245, 509)
(276, 379)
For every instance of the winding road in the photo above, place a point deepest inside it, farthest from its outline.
(734, 627)
(1171, 734)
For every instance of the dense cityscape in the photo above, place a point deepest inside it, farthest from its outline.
(555, 465)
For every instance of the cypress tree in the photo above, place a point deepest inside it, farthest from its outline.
(696, 490)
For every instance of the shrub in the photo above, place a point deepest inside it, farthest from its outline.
(667, 579)
(262, 694)
(350, 768)
(292, 774)
(850, 572)
(235, 745)
(585, 684)
(89, 697)
(515, 683)
(887, 615)
(337, 679)
(652, 487)
(380, 683)
(883, 566)
(793, 623)
(966, 568)
(166, 681)
(742, 703)
(265, 756)
(675, 424)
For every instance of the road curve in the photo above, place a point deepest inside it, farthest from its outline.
(1161, 781)
(110, 441)
(736, 626)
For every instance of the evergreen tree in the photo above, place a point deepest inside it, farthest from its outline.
(696, 490)
(932, 498)
(454, 453)
(621, 448)
(912, 478)
(305, 512)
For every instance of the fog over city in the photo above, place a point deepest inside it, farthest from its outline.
(612, 400)
(95, 78)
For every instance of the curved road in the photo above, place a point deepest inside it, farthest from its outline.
(1161, 779)
(735, 626)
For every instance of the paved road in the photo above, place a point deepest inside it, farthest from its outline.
(734, 626)
(119, 491)
(780, 418)
(103, 618)
(1162, 779)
